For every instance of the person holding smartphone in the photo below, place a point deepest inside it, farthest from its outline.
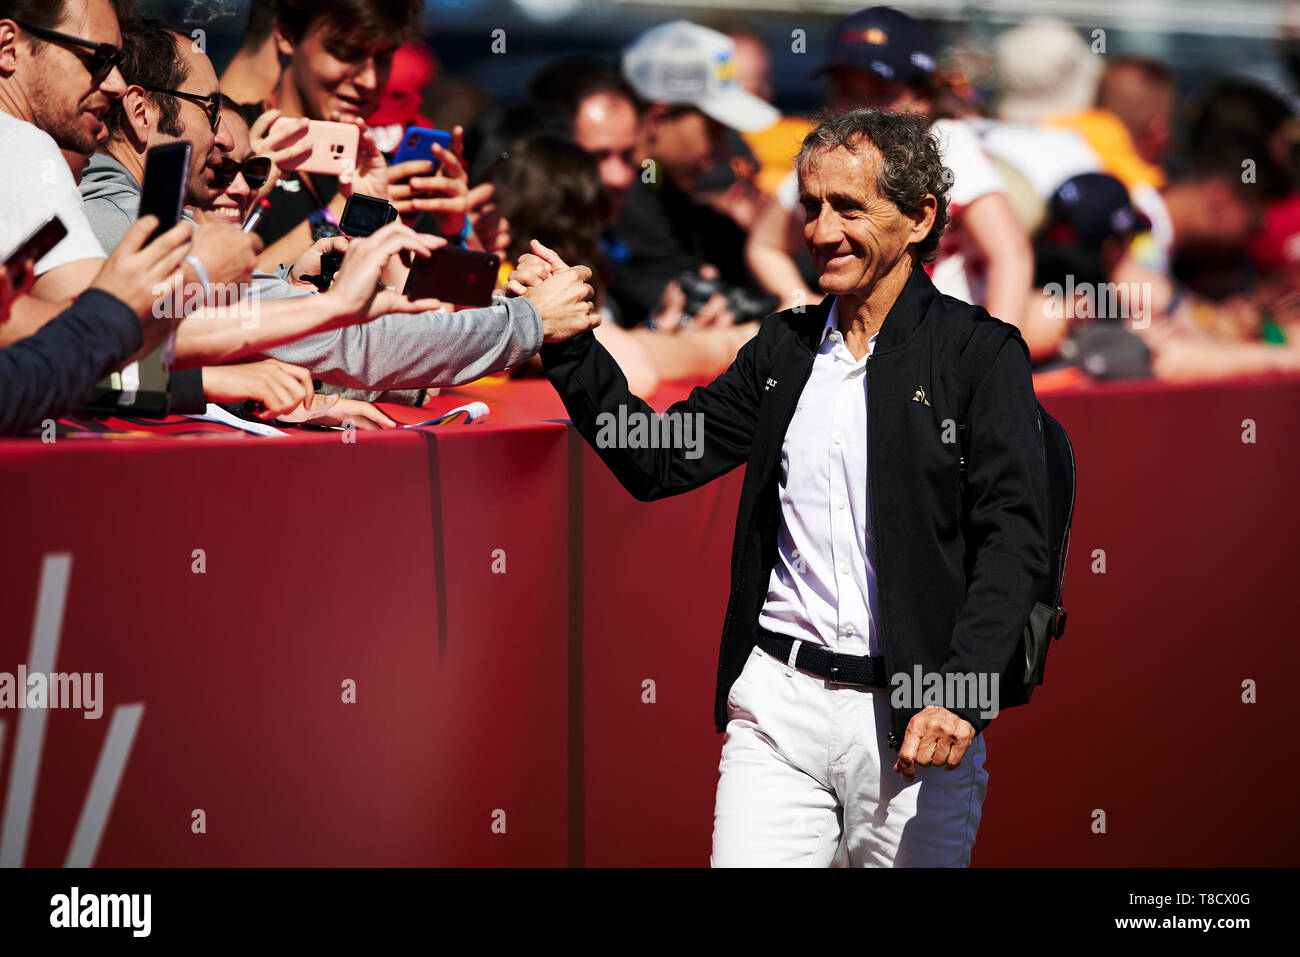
(60, 79)
(336, 57)
(219, 333)
(396, 351)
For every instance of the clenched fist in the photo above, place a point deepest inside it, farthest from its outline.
(935, 737)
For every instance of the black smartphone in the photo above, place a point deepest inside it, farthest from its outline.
(162, 194)
(461, 276)
(363, 215)
(38, 242)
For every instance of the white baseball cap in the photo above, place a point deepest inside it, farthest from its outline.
(683, 63)
(1045, 67)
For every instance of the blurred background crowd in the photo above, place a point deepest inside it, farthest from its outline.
(1123, 181)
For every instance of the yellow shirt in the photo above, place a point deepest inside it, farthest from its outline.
(1110, 140)
(775, 149)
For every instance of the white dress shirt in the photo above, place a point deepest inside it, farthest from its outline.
(823, 586)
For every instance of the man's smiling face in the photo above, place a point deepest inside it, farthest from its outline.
(854, 234)
(67, 102)
(338, 70)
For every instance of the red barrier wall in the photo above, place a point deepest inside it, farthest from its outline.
(501, 604)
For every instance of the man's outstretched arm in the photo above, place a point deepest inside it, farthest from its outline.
(400, 351)
(708, 433)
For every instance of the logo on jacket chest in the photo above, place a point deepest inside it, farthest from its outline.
(919, 395)
(767, 387)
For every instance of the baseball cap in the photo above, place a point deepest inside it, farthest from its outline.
(1045, 67)
(1090, 208)
(684, 63)
(883, 41)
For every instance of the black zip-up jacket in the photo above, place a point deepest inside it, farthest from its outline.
(955, 589)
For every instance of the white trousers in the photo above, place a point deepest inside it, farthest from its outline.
(806, 778)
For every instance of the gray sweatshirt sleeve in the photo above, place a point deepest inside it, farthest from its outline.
(425, 349)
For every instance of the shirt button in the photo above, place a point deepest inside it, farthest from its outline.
(844, 569)
(838, 438)
(843, 505)
(850, 630)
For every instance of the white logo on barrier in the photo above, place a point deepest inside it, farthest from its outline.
(24, 769)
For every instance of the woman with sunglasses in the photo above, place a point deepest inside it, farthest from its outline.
(396, 351)
(237, 184)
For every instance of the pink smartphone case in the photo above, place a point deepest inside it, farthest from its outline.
(334, 148)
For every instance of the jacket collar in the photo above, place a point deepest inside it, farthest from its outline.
(905, 315)
(811, 325)
(832, 323)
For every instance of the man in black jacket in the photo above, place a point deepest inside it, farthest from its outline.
(862, 571)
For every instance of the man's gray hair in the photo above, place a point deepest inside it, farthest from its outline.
(911, 163)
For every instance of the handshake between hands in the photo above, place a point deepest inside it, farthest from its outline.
(562, 294)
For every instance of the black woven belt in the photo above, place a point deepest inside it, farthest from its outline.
(864, 670)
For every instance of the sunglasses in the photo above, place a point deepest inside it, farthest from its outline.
(256, 170)
(104, 57)
(211, 105)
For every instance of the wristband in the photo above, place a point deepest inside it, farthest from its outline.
(202, 273)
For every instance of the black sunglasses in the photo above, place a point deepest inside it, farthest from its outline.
(256, 170)
(103, 56)
(211, 105)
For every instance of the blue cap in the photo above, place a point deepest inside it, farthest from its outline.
(883, 41)
(1090, 208)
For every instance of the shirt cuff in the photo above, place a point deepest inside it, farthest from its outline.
(185, 392)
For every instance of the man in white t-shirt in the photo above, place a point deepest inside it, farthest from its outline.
(55, 90)
(37, 184)
(59, 72)
(880, 58)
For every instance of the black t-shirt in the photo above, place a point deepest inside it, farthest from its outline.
(295, 198)
(666, 233)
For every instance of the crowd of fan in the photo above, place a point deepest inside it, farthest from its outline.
(664, 176)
